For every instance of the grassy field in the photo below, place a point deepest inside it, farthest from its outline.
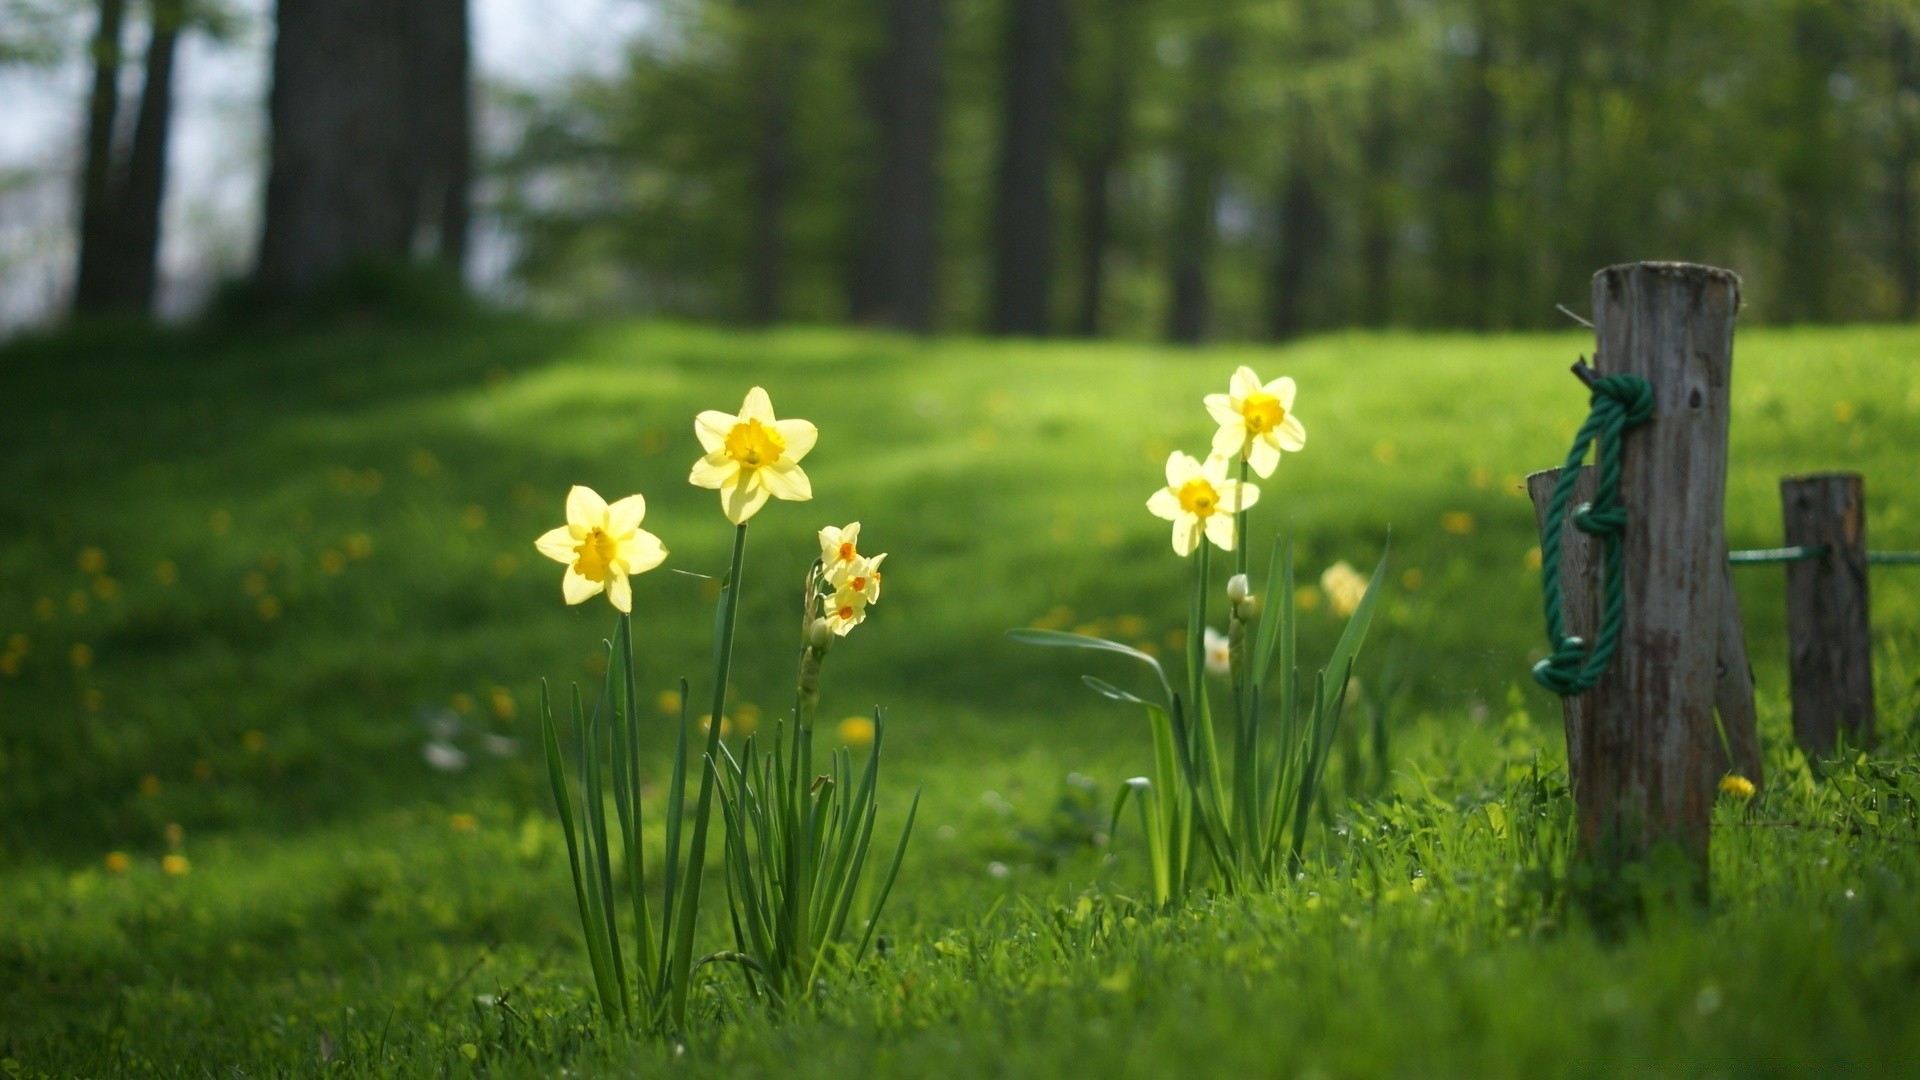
(240, 575)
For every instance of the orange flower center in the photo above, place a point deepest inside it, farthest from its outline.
(859, 584)
(1262, 412)
(846, 552)
(1197, 497)
(592, 555)
(754, 444)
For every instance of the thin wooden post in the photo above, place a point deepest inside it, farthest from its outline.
(1830, 655)
(1649, 761)
(1579, 590)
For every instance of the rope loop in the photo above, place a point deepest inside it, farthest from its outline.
(1573, 665)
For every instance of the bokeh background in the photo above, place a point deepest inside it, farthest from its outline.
(1184, 169)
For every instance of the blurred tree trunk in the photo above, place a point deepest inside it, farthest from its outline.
(1111, 99)
(1197, 189)
(896, 248)
(1301, 216)
(1023, 221)
(1379, 153)
(144, 190)
(773, 61)
(1813, 164)
(371, 136)
(1465, 243)
(91, 286)
(1902, 229)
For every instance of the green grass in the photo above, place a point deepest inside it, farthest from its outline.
(376, 490)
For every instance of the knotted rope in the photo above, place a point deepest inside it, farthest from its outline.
(1619, 402)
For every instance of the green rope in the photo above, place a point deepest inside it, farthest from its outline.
(1619, 402)
(1804, 552)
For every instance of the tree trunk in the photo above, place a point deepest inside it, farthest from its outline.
(92, 288)
(1023, 225)
(894, 270)
(144, 190)
(1301, 220)
(1377, 149)
(1903, 232)
(1465, 251)
(1102, 158)
(370, 136)
(772, 60)
(1197, 191)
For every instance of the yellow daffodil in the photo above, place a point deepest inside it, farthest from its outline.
(602, 546)
(862, 575)
(845, 609)
(1200, 499)
(839, 546)
(751, 456)
(1256, 421)
(1345, 588)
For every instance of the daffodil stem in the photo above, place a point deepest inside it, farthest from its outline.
(689, 906)
(1240, 520)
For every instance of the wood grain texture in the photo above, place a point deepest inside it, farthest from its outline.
(1650, 750)
(1830, 650)
(1733, 688)
(1579, 594)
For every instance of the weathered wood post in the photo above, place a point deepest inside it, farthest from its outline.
(1830, 654)
(1580, 595)
(1648, 754)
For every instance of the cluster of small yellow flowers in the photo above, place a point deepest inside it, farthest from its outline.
(1345, 588)
(852, 578)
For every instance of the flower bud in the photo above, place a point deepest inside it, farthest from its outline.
(1246, 608)
(1237, 588)
(820, 635)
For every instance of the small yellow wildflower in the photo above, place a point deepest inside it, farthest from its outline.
(1306, 598)
(1345, 588)
(473, 516)
(1411, 579)
(106, 588)
(1256, 421)
(81, 656)
(746, 717)
(9, 664)
(117, 862)
(602, 546)
(1457, 522)
(501, 699)
(1737, 786)
(1532, 558)
(149, 785)
(45, 609)
(463, 823)
(175, 865)
(751, 455)
(668, 701)
(358, 545)
(92, 561)
(857, 731)
(255, 583)
(269, 608)
(1199, 499)
(333, 562)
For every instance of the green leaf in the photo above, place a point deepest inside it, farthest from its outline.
(1060, 639)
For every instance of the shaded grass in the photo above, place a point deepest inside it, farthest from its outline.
(381, 485)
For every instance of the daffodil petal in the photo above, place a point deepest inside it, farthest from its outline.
(714, 470)
(642, 552)
(625, 516)
(576, 588)
(1164, 504)
(1283, 389)
(1186, 535)
(711, 429)
(1234, 490)
(1291, 434)
(620, 591)
(1243, 383)
(758, 406)
(1215, 470)
(786, 480)
(1231, 438)
(1181, 468)
(558, 544)
(1220, 531)
(743, 498)
(1220, 407)
(1264, 456)
(799, 435)
(585, 507)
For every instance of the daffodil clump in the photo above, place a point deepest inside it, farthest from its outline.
(1237, 819)
(795, 846)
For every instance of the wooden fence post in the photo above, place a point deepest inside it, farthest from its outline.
(1830, 654)
(1648, 776)
(1579, 590)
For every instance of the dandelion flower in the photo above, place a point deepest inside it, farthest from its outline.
(1200, 499)
(1219, 657)
(1345, 588)
(857, 731)
(175, 865)
(1256, 421)
(117, 862)
(602, 546)
(752, 456)
(1737, 786)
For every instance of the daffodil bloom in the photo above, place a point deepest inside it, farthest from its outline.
(1200, 499)
(1345, 588)
(1256, 421)
(602, 546)
(839, 546)
(862, 575)
(752, 456)
(844, 610)
(1219, 655)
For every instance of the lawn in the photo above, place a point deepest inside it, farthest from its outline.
(244, 579)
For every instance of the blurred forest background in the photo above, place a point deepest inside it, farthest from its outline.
(1176, 169)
